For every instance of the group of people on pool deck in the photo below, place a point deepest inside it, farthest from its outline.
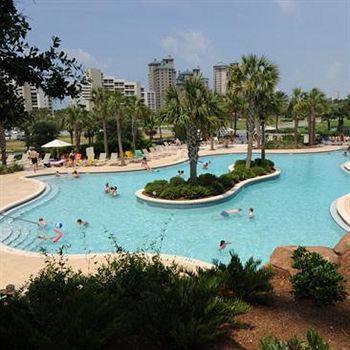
(112, 190)
(228, 212)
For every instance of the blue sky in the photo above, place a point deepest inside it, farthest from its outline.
(309, 40)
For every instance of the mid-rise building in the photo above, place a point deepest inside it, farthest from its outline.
(187, 74)
(161, 75)
(96, 79)
(221, 77)
(34, 98)
(150, 99)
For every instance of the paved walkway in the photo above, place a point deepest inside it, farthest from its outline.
(16, 266)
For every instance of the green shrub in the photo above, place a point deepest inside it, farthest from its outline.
(248, 282)
(171, 192)
(190, 191)
(155, 187)
(312, 342)
(130, 303)
(265, 163)
(206, 179)
(259, 171)
(227, 180)
(318, 279)
(9, 169)
(177, 180)
(217, 188)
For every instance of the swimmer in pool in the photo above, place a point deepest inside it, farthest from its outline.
(251, 213)
(81, 222)
(231, 211)
(42, 222)
(107, 188)
(223, 244)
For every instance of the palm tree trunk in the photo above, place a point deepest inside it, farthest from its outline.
(120, 144)
(3, 143)
(105, 138)
(211, 143)
(76, 136)
(192, 147)
(296, 125)
(235, 124)
(250, 132)
(160, 132)
(312, 129)
(328, 124)
(263, 138)
(133, 131)
(71, 137)
(277, 120)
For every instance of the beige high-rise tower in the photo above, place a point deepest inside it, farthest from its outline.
(221, 77)
(161, 75)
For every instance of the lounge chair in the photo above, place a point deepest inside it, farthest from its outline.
(90, 155)
(114, 160)
(24, 160)
(10, 159)
(46, 160)
(102, 160)
(138, 156)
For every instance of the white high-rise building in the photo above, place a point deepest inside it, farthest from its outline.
(96, 79)
(221, 76)
(34, 98)
(161, 75)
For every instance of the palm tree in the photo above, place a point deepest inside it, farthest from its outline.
(313, 105)
(150, 122)
(295, 111)
(118, 106)
(253, 77)
(101, 110)
(74, 122)
(280, 102)
(191, 106)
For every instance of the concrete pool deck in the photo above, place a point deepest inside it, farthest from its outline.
(16, 266)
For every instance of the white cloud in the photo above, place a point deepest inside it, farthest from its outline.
(287, 6)
(85, 58)
(191, 46)
(334, 71)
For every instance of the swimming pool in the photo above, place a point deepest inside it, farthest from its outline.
(293, 209)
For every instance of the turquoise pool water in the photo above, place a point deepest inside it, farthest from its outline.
(293, 209)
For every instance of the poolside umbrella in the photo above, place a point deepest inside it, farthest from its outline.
(56, 144)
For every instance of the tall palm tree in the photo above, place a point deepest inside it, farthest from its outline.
(191, 106)
(294, 109)
(118, 106)
(138, 111)
(74, 119)
(313, 105)
(253, 77)
(280, 103)
(101, 110)
(150, 122)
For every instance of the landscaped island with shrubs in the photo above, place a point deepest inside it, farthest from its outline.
(207, 185)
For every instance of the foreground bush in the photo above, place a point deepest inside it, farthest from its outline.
(312, 342)
(10, 168)
(207, 185)
(318, 279)
(130, 303)
(248, 281)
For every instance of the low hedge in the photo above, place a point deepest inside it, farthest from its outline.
(10, 168)
(207, 185)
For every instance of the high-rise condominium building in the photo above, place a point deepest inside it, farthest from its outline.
(96, 79)
(221, 77)
(150, 99)
(183, 76)
(34, 98)
(161, 75)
